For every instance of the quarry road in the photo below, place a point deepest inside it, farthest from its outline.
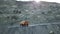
(43, 28)
(34, 24)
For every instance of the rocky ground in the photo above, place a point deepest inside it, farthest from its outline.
(35, 13)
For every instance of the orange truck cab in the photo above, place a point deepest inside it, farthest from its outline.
(24, 23)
